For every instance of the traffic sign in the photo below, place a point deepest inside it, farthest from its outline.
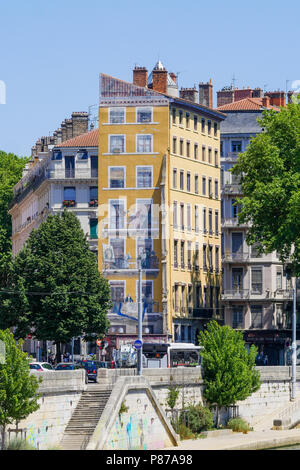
(138, 344)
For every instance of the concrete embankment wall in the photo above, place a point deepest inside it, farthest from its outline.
(60, 392)
(274, 391)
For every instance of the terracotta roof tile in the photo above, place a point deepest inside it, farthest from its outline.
(90, 139)
(247, 104)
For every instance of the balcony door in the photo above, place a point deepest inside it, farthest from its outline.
(237, 243)
(237, 279)
(70, 167)
(94, 166)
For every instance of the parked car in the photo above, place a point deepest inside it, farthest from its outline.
(41, 366)
(91, 367)
(72, 366)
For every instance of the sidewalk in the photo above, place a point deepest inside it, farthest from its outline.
(254, 440)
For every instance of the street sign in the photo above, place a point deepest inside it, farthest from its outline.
(138, 344)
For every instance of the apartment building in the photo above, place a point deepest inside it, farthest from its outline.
(62, 176)
(159, 194)
(256, 294)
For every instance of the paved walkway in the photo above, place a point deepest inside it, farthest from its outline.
(254, 440)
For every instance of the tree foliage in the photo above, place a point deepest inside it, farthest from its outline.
(11, 167)
(18, 389)
(229, 368)
(270, 179)
(56, 289)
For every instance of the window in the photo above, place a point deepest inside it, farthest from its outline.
(181, 181)
(117, 177)
(217, 258)
(144, 177)
(204, 220)
(188, 181)
(256, 316)
(56, 155)
(180, 117)
(174, 145)
(144, 143)
(278, 278)
(117, 115)
(203, 186)
(117, 143)
(174, 178)
(204, 258)
(237, 317)
(174, 115)
(69, 167)
(196, 219)
(254, 251)
(188, 216)
(197, 258)
(203, 154)
(210, 222)
(215, 129)
(222, 148)
(237, 242)
(144, 250)
(196, 184)
(93, 228)
(182, 255)
(175, 214)
(182, 216)
(216, 222)
(117, 214)
(143, 216)
(188, 146)
(209, 155)
(195, 123)
(117, 292)
(118, 248)
(256, 280)
(94, 193)
(144, 114)
(234, 208)
(236, 145)
(209, 127)
(94, 166)
(181, 147)
(216, 189)
(189, 255)
(196, 151)
(210, 258)
(176, 253)
(69, 194)
(187, 119)
(203, 125)
(210, 187)
(216, 158)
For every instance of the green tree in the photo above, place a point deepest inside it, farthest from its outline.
(18, 389)
(270, 179)
(56, 289)
(229, 368)
(11, 167)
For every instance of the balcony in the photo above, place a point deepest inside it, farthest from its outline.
(230, 222)
(69, 203)
(93, 203)
(239, 257)
(236, 294)
(233, 189)
(124, 263)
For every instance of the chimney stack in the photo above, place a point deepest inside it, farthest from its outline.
(189, 94)
(277, 98)
(160, 80)
(206, 94)
(266, 101)
(174, 77)
(140, 76)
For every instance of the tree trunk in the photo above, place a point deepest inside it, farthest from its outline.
(3, 438)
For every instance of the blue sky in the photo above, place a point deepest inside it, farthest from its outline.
(51, 52)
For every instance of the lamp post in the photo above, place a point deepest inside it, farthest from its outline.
(294, 344)
(140, 319)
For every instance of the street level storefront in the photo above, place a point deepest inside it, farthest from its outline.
(273, 345)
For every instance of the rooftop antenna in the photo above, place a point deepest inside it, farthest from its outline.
(233, 82)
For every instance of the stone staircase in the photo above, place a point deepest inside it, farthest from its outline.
(265, 422)
(85, 418)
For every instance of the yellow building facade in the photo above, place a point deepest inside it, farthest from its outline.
(159, 202)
